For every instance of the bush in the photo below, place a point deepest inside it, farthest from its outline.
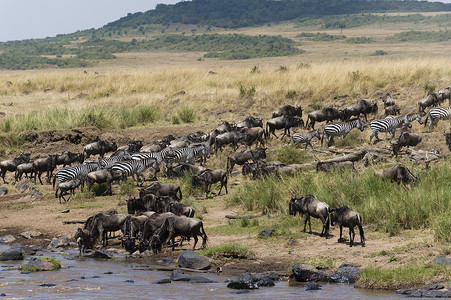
(379, 53)
(360, 40)
(289, 155)
(187, 114)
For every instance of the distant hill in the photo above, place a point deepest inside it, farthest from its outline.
(242, 13)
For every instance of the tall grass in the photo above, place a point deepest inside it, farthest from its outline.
(380, 202)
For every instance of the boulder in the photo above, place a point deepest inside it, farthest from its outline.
(442, 260)
(346, 273)
(267, 232)
(166, 262)
(3, 190)
(191, 260)
(6, 239)
(30, 234)
(11, 253)
(307, 273)
(35, 194)
(60, 242)
(242, 285)
(23, 186)
(429, 291)
(248, 280)
(163, 281)
(98, 254)
(36, 264)
(312, 287)
(178, 275)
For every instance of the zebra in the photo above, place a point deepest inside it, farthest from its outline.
(436, 114)
(74, 172)
(306, 138)
(106, 163)
(135, 166)
(340, 128)
(159, 156)
(188, 154)
(390, 124)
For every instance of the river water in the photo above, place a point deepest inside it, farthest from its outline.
(84, 278)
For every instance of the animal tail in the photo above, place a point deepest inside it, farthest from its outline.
(426, 121)
(54, 180)
(327, 223)
(56, 192)
(228, 163)
(307, 123)
(362, 236)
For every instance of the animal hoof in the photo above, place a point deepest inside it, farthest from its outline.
(341, 240)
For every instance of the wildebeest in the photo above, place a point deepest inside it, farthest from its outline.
(150, 226)
(388, 100)
(288, 110)
(405, 139)
(181, 169)
(445, 94)
(343, 216)
(26, 168)
(148, 202)
(250, 122)
(100, 147)
(101, 224)
(11, 165)
(228, 138)
(83, 239)
(254, 135)
(241, 157)
(326, 114)
(162, 189)
(42, 165)
(398, 173)
(67, 158)
(251, 166)
(178, 226)
(224, 127)
(208, 177)
(357, 108)
(131, 229)
(432, 99)
(66, 188)
(176, 208)
(448, 140)
(311, 206)
(284, 122)
(393, 110)
(102, 176)
(328, 166)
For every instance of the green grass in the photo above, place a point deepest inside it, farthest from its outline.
(56, 265)
(234, 251)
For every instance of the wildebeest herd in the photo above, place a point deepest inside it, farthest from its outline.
(160, 216)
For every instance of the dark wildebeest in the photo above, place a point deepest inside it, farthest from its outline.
(431, 99)
(66, 188)
(178, 226)
(444, 94)
(357, 108)
(102, 176)
(26, 168)
(398, 173)
(42, 165)
(66, 158)
(11, 165)
(150, 226)
(101, 224)
(326, 114)
(388, 100)
(448, 140)
(405, 139)
(228, 138)
(208, 177)
(148, 202)
(393, 110)
(241, 157)
(250, 167)
(284, 122)
(176, 208)
(224, 127)
(299, 138)
(249, 122)
(180, 170)
(90, 221)
(162, 189)
(288, 110)
(328, 166)
(254, 135)
(131, 229)
(134, 146)
(311, 206)
(100, 147)
(343, 216)
(83, 239)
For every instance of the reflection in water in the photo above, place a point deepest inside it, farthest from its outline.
(89, 278)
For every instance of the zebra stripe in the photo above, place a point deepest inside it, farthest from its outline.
(132, 167)
(106, 163)
(436, 114)
(159, 156)
(306, 138)
(391, 124)
(340, 128)
(74, 172)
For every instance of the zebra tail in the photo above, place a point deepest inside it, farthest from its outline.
(54, 181)
(426, 121)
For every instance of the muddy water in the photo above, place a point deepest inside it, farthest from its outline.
(105, 279)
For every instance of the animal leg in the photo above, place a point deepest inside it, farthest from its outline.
(195, 240)
(305, 223)
(351, 236)
(340, 240)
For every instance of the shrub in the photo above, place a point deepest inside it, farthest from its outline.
(379, 53)
(360, 40)
(289, 155)
(186, 114)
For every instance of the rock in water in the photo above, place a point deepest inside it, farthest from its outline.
(191, 260)
(11, 253)
(307, 273)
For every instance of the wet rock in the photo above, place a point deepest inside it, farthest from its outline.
(36, 264)
(23, 186)
(98, 254)
(30, 250)
(2, 295)
(108, 273)
(178, 275)
(35, 194)
(346, 273)
(47, 284)
(129, 281)
(191, 260)
(61, 242)
(248, 280)
(163, 281)
(3, 190)
(242, 285)
(265, 281)
(241, 292)
(30, 234)
(442, 260)
(429, 291)
(312, 287)
(166, 262)
(11, 253)
(271, 275)
(307, 273)
(267, 232)
(6, 239)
